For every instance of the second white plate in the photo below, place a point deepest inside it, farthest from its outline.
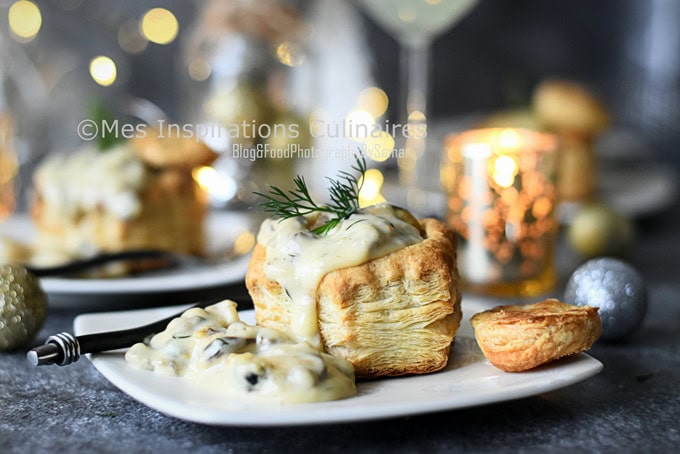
(221, 230)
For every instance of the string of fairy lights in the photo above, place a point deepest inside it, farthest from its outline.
(157, 25)
(160, 26)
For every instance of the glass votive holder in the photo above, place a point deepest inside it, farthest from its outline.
(501, 194)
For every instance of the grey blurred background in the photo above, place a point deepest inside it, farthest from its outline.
(627, 51)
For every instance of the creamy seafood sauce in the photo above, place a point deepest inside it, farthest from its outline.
(88, 179)
(214, 349)
(298, 259)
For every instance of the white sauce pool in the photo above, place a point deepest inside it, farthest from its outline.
(214, 349)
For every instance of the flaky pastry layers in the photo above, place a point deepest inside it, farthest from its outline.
(520, 337)
(393, 315)
(171, 211)
(173, 207)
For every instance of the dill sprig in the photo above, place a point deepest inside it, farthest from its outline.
(343, 193)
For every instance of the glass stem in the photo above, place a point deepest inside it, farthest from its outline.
(415, 72)
(418, 170)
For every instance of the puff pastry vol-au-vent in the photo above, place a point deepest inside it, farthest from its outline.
(380, 289)
(139, 194)
(520, 337)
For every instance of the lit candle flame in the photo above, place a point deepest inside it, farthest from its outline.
(504, 171)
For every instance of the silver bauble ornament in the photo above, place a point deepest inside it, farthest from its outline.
(614, 287)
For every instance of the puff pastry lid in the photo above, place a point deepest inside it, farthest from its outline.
(516, 338)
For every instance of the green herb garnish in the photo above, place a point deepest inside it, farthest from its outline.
(101, 115)
(343, 193)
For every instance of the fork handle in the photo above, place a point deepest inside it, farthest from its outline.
(103, 259)
(65, 348)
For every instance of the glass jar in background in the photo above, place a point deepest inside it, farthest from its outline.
(241, 53)
(501, 194)
(24, 102)
(8, 166)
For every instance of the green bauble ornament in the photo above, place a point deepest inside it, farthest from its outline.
(598, 231)
(23, 306)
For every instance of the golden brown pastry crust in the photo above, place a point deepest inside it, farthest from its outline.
(520, 337)
(393, 315)
(518, 118)
(173, 210)
(567, 107)
(161, 151)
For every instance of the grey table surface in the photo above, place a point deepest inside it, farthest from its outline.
(633, 405)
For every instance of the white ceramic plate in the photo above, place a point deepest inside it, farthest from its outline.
(638, 191)
(469, 380)
(221, 229)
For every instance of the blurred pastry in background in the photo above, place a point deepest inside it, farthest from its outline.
(138, 194)
(513, 118)
(12, 251)
(577, 117)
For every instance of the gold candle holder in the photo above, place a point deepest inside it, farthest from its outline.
(501, 191)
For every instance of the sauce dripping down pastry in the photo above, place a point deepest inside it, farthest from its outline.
(380, 289)
(298, 259)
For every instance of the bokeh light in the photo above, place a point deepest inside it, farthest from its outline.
(244, 242)
(379, 147)
(509, 138)
(199, 69)
(290, 54)
(130, 39)
(371, 183)
(219, 187)
(159, 26)
(416, 116)
(25, 20)
(359, 124)
(504, 171)
(417, 125)
(407, 12)
(374, 100)
(103, 70)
